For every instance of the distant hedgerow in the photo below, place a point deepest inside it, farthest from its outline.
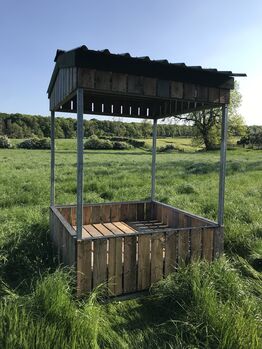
(93, 142)
(35, 143)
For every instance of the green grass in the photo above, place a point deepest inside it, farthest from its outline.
(201, 306)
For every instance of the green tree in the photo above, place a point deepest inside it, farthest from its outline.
(207, 123)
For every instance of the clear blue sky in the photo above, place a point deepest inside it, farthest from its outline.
(223, 34)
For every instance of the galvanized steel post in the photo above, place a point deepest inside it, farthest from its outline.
(80, 160)
(153, 177)
(222, 173)
(52, 175)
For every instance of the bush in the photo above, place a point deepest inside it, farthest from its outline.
(4, 142)
(121, 146)
(35, 143)
(93, 142)
(135, 143)
(167, 148)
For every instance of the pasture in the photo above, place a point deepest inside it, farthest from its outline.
(201, 306)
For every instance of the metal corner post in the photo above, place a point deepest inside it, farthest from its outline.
(80, 160)
(153, 176)
(222, 173)
(52, 174)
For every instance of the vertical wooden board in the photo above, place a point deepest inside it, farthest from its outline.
(181, 220)
(83, 267)
(195, 222)
(86, 78)
(135, 84)
(72, 251)
(165, 213)
(149, 86)
(163, 89)
(207, 243)
(87, 212)
(73, 216)
(187, 221)
(183, 247)
(157, 243)
(59, 241)
(140, 211)
(130, 264)
(96, 214)
(171, 252)
(75, 73)
(196, 244)
(119, 82)
(115, 266)
(149, 211)
(66, 213)
(132, 212)
(176, 89)
(143, 278)
(159, 212)
(115, 212)
(189, 91)
(105, 213)
(224, 96)
(103, 80)
(124, 214)
(100, 262)
(213, 94)
(202, 93)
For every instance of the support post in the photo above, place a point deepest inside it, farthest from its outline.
(80, 160)
(222, 173)
(52, 176)
(153, 175)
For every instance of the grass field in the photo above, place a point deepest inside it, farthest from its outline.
(201, 306)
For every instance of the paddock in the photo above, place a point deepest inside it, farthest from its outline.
(130, 245)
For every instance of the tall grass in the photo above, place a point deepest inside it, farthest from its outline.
(201, 306)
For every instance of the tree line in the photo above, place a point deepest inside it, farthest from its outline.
(26, 126)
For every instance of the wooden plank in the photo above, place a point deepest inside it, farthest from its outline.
(115, 266)
(176, 89)
(72, 250)
(113, 228)
(96, 214)
(103, 80)
(132, 209)
(100, 262)
(202, 93)
(165, 215)
(148, 211)
(124, 213)
(119, 82)
(159, 212)
(196, 242)
(170, 252)
(140, 211)
(149, 86)
(183, 247)
(92, 230)
(131, 228)
(181, 220)
(157, 243)
(73, 216)
(85, 233)
(189, 91)
(87, 212)
(135, 84)
(224, 96)
(115, 212)
(207, 244)
(143, 281)
(105, 214)
(102, 229)
(213, 94)
(163, 88)
(83, 267)
(129, 264)
(124, 227)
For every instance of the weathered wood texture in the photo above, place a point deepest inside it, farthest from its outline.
(128, 246)
(126, 95)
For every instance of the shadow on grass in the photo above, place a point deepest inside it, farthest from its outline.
(26, 257)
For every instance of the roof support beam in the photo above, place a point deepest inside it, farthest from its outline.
(80, 161)
(222, 173)
(52, 174)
